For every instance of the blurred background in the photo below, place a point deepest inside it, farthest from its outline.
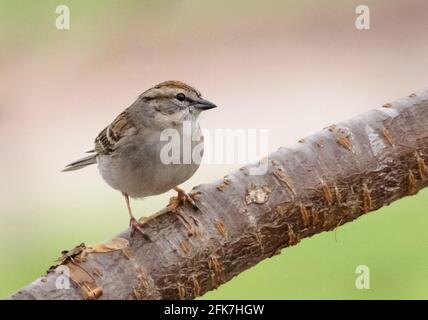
(292, 67)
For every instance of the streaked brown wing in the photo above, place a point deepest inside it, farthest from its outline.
(107, 139)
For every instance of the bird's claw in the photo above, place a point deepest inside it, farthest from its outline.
(181, 198)
(137, 226)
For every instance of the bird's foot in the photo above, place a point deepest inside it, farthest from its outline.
(136, 226)
(181, 198)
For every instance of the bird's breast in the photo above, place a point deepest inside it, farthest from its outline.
(153, 164)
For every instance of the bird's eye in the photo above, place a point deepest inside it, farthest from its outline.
(180, 97)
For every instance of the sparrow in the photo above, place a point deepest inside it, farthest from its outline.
(130, 151)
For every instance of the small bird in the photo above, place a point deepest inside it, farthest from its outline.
(129, 150)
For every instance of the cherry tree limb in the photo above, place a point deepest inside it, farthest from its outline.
(327, 179)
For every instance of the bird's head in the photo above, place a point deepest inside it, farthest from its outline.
(176, 101)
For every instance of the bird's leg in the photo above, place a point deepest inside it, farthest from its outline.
(133, 223)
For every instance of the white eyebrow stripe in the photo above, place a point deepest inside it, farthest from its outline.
(111, 137)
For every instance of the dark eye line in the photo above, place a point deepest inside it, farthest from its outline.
(149, 98)
(186, 98)
(191, 101)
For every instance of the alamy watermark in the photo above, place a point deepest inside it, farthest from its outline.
(62, 21)
(63, 279)
(362, 282)
(220, 146)
(362, 22)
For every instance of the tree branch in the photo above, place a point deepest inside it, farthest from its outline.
(327, 179)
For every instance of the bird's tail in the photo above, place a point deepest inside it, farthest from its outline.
(81, 163)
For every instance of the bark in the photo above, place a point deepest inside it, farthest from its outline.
(327, 179)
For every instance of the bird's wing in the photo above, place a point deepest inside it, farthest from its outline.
(108, 138)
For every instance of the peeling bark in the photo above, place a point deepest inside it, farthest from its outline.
(327, 179)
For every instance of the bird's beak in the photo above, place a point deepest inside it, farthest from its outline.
(202, 105)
